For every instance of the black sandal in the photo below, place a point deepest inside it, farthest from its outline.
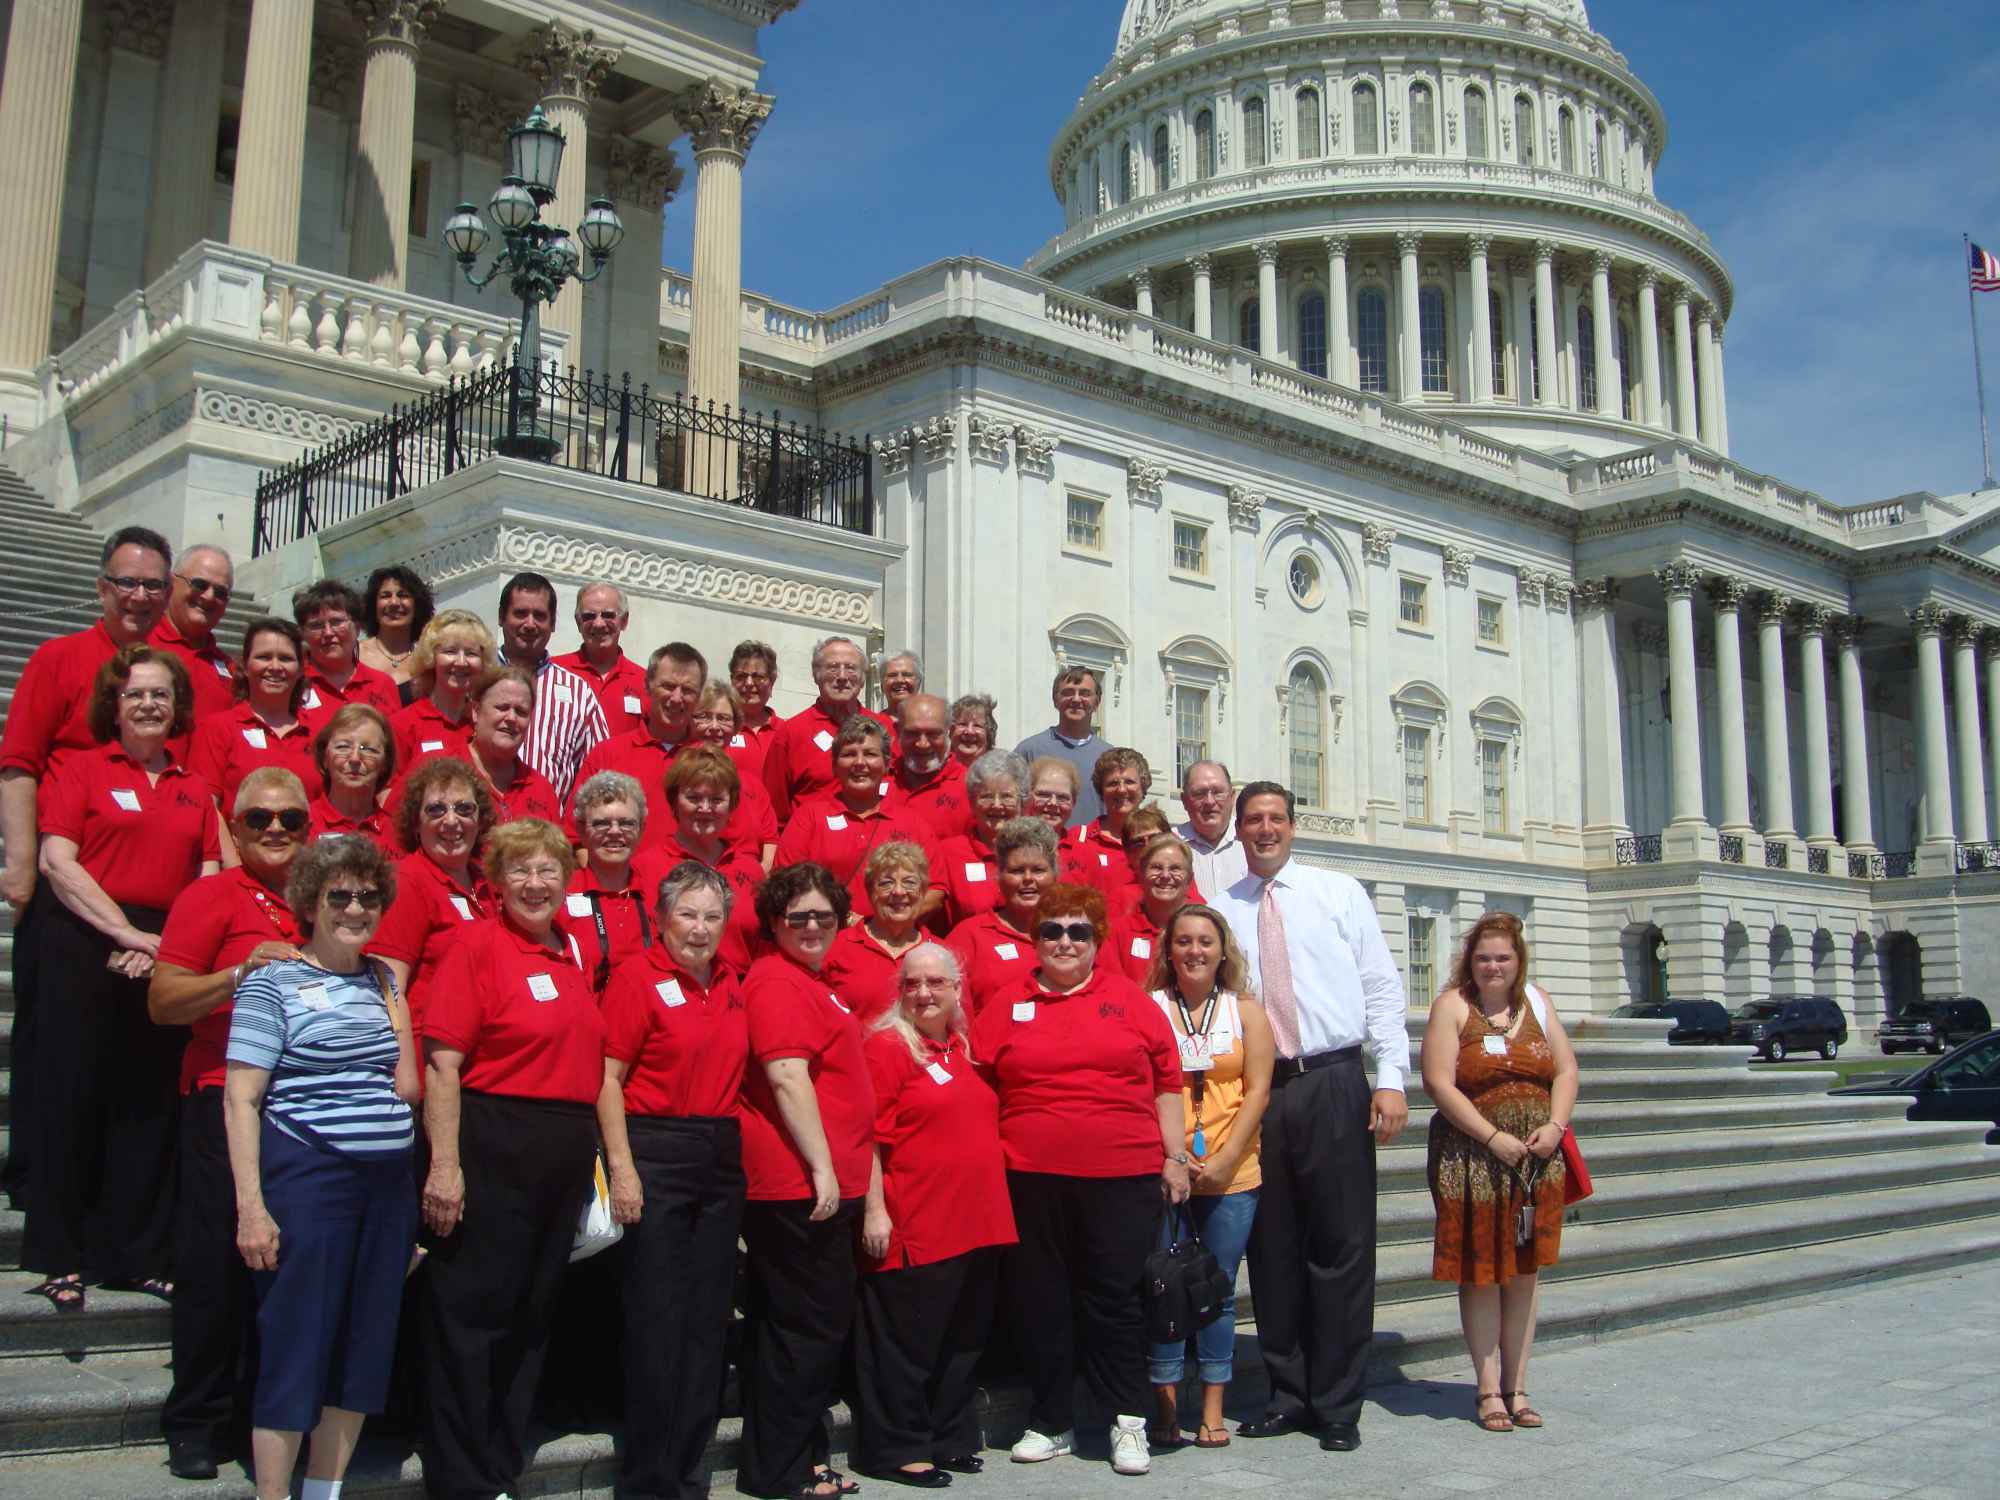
(842, 1485)
(65, 1293)
(152, 1286)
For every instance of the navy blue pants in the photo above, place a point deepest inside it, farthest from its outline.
(326, 1317)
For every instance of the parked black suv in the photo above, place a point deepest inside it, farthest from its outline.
(1933, 1025)
(1784, 1024)
(1696, 1021)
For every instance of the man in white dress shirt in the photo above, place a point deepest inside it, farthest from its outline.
(1210, 830)
(1331, 992)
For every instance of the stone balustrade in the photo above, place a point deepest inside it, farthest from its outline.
(1674, 461)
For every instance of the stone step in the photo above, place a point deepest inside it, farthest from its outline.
(1597, 1120)
(111, 1322)
(1607, 1084)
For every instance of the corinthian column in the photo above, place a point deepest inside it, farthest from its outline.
(1482, 318)
(381, 244)
(1545, 324)
(643, 180)
(1649, 346)
(1727, 595)
(1204, 296)
(1679, 580)
(271, 142)
(1933, 752)
(1855, 807)
(190, 111)
(1704, 348)
(1339, 341)
(1813, 621)
(1409, 318)
(1603, 702)
(1610, 400)
(35, 100)
(1990, 651)
(1267, 298)
(1685, 411)
(571, 67)
(1142, 291)
(1971, 764)
(1777, 736)
(722, 122)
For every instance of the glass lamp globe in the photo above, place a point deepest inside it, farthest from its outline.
(465, 233)
(512, 205)
(562, 250)
(535, 153)
(601, 229)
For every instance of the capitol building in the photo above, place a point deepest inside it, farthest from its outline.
(1364, 422)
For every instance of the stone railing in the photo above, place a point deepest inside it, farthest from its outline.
(1676, 461)
(230, 293)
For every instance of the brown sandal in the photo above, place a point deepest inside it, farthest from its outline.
(1492, 1421)
(1211, 1437)
(1524, 1415)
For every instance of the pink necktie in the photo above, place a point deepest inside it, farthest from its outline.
(1280, 1004)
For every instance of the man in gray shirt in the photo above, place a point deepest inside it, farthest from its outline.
(1072, 738)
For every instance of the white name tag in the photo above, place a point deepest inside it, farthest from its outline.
(1195, 1056)
(542, 986)
(254, 738)
(1024, 1010)
(579, 905)
(221, 669)
(464, 908)
(427, 747)
(1103, 859)
(311, 699)
(1006, 952)
(669, 990)
(313, 996)
(126, 798)
(737, 742)
(1496, 1045)
(633, 705)
(837, 1005)
(835, 823)
(975, 873)
(823, 740)
(938, 1074)
(1142, 947)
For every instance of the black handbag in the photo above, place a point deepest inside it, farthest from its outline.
(1185, 1287)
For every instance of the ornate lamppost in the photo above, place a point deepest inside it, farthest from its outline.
(541, 258)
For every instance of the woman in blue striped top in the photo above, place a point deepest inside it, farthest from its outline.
(322, 1075)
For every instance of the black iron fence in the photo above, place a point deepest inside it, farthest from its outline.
(579, 422)
(1731, 848)
(1978, 858)
(1640, 849)
(1777, 855)
(1882, 866)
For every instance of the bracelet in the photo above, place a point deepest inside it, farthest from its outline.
(1493, 1137)
(1180, 1157)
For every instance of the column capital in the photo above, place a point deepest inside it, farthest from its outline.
(1965, 632)
(1528, 583)
(1200, 264)
(1142, 279)
(1519, 265)
(330, 81)
(567, 62)
(1600, 262)
(1409, 242)
(1989, 646)
(396, 23)
(721, 117)
(1847, 631)
(1930, 619)
(1376, 540)
(1559, 587)
(140, 26)
(1727, 594)
(1266, 252)
(1773, 608)
(1814, 619)
(1645, 277)
(1336, 244)
(1458, 563)
(1679, 579)
(1704, 312)
(645, 176)
(1478, 244)
(1680, 294)
(481, 119)
(1596, 595)
(1545, 252)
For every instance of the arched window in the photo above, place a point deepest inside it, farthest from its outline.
(1096, 186)
(1312, 334)
(1524, 130)
(1254, 139)
(1308, 122)
(1204, 145)
(1475, 124)
(1423, 121)
(1602, 165)
(1566, 138)
(1586, 357)
(1162, 160)
(1249, 327)
(1625, 369)
(1431, 332)
(1125, 173)
(1532, 338)
(1308, 733)
(1498, 337)
(1371, 339)
(1367, 127)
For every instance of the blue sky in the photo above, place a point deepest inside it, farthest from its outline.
(1833, 149)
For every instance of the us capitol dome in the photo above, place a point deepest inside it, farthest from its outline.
(1445, 202)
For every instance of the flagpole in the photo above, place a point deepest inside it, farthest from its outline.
(1978, 364)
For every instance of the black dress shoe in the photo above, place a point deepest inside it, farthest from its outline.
(190, 1458)
(1341, 1437)
(963, 1463)
(919, 1479)
(1273, 1424)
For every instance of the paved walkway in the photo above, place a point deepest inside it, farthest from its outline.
(1885, 1391)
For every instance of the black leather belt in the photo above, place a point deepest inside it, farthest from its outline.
(1285, 1069)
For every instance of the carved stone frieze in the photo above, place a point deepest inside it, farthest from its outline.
(721, 117)
(567, 61)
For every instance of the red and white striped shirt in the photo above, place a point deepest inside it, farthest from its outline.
(568, 721)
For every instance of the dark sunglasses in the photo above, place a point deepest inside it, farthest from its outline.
(340, 899)
(199, 586)
(292, 819)
(1076, 932)
(798, 921)
(436, 810)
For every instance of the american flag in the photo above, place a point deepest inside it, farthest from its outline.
(1985, 271)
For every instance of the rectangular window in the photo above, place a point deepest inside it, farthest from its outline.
(1416, 775)
(1190, 730)
(1190, 547)
(1308, 739)
(420, 200)
(1436, 361)
(1493, 783)
(1086, 523)
(1413, 601)
(1371, 340)
(1492, 622)
(1312, 334)
(1423, 958)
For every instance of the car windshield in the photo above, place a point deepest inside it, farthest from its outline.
(1758, 1010)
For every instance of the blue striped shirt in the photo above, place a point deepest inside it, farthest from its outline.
(327, 1043)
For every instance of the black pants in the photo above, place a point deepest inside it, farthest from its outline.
(1075, 1283)
(679, 1265)
(213, 1329)
(801, 1307)
(21, 1046)
(1312, 1248)
(101, 1173)
(917, 1342)
(489, 1291)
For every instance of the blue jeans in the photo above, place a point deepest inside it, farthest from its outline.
(1223, 1223)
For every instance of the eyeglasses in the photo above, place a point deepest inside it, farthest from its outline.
(899, 884)
(798, 921)
(919, 984)
(327, 625)
(758, 679)
(349, 747)
(291, 819)
(522, 874)
(145, 695)
(340, 898)
(436, 810)
(200, 586)
(613, 825)
(1076, 932)
(1053, 799)
(592, 616)
(152, 588)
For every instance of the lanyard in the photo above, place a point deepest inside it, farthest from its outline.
(604, 938)
(1198, 1084)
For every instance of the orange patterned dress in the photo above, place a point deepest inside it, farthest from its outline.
(1476, 1196)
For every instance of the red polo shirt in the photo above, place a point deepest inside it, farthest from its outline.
(743, 939)
(752, 744)
(937, 1129)
(48, 718)
(993, 958)
(798, 763)
(531, 796)
(621, 692)
(524, 1017)
(627, 916)
(210, 669)
(827, 832)
(939, 799)
(862, 972)
(424, 923)
(142, 841)
(968, 872)
(323, 700)
(214, 925)
(646, 760)
(1131, 946)
(1097, 858)
(328, 820)
(795, 1013)
(1079, 1077)
(686, 1046)
(232, 744)
(421, 728)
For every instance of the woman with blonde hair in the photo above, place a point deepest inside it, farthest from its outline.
(1498, 1065)
(864, 960)
(453, 653)
(1201, 981)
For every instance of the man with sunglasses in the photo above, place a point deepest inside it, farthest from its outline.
(204, 581)
(618, 681)
(48, 721)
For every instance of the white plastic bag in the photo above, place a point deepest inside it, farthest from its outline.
(596, 1230)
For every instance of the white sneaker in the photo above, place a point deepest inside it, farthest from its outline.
(1036, 1447)
(1129, 1453)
